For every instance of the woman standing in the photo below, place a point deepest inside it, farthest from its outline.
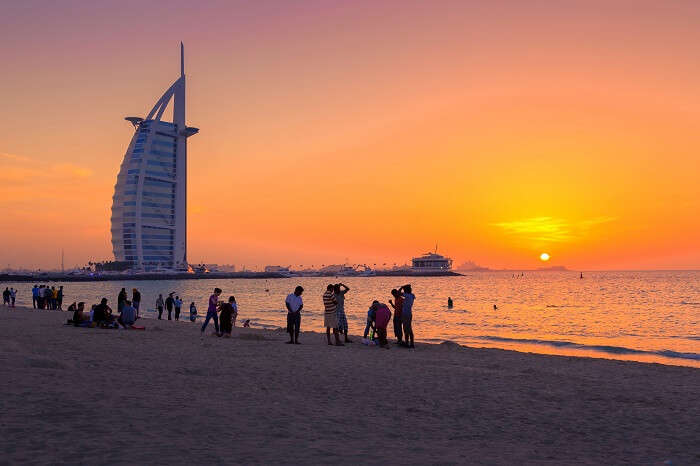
(340, 290)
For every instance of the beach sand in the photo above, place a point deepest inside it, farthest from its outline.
(165, 396)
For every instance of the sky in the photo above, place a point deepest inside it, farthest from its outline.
(364, 132)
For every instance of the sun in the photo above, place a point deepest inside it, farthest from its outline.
(544, 257)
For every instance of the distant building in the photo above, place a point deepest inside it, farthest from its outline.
(431, 261)
(276, 269)
(149, 207)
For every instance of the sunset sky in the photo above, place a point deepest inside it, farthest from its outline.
(365, 131)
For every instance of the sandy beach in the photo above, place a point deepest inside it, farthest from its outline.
(165, 396)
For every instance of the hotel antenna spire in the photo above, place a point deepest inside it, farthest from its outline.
(182, 59)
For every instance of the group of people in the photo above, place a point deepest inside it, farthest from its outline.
(335, 319)
(9, 296)
(101, 315)
(44, 297)
(223, 314)
(173, 302)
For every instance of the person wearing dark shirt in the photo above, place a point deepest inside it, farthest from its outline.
(102, 312)
(169, 301)
(59, 298)
(226, 317)
(136, 300)
(121, 299)
(398, 325)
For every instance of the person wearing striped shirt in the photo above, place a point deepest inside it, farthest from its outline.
(330, 317)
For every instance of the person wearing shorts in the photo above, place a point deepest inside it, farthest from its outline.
(294, 306)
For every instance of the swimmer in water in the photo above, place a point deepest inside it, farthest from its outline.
(450, 304)
(495, 308)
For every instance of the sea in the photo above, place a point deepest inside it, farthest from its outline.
(647, 316)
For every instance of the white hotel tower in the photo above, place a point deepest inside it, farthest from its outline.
(149, 207)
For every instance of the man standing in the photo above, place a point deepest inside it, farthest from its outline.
(178, 306)
(13, 295)
(6, 297)
(35, 296)
(211, 312)
(294, 306)
(59, 298)
(159, 306)
(136, 300)
(398, 305)
(169, 301)
(407, 313)
(339, 290)
(330, 317)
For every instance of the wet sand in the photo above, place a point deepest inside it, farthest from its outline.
(165, 396)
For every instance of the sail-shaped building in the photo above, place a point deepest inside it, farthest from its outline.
(149, 207)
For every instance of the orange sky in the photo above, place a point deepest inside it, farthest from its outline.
(365, 132)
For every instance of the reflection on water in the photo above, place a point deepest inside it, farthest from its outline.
(642, 316)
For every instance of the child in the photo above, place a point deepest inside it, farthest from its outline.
(371, 313)
(193, 312)
(234, 308)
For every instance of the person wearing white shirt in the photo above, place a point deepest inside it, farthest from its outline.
(294, 305)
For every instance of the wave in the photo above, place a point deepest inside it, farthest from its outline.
(601, 348)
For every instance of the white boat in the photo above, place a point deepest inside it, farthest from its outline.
(431, 262)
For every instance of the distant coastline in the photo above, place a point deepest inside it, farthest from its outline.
(63, 277)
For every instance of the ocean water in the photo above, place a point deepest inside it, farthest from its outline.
(642, 316)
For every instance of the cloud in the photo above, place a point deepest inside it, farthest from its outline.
(15, 157)
(549, 229)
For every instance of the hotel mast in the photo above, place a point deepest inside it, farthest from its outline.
(149, 207)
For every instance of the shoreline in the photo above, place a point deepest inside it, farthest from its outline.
(57, 277)
(252, 398)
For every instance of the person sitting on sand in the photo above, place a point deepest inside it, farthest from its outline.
(330, 317)
(127, 316)
(294, 305)
(79, 316)
(226, 316)
(102, 313)
(211, 312)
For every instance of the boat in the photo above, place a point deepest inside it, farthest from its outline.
(431, 262)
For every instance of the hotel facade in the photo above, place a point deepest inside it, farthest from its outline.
(149, 206)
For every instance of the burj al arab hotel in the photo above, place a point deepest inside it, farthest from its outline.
(149, 207)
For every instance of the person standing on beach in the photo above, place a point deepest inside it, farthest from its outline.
(339, 291)
(211, 311)
(59, 298)
(136, 300)
(330, 317)
(178, 306)
(234, 309)
(294, 306)
(39, 297)
(226, 316)
(54, 298)
(398, 305)
(13, 295)
(35, 295)
(169, 305)
(6, 297)
(159, 306)
(121, 299)
(407, 313)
